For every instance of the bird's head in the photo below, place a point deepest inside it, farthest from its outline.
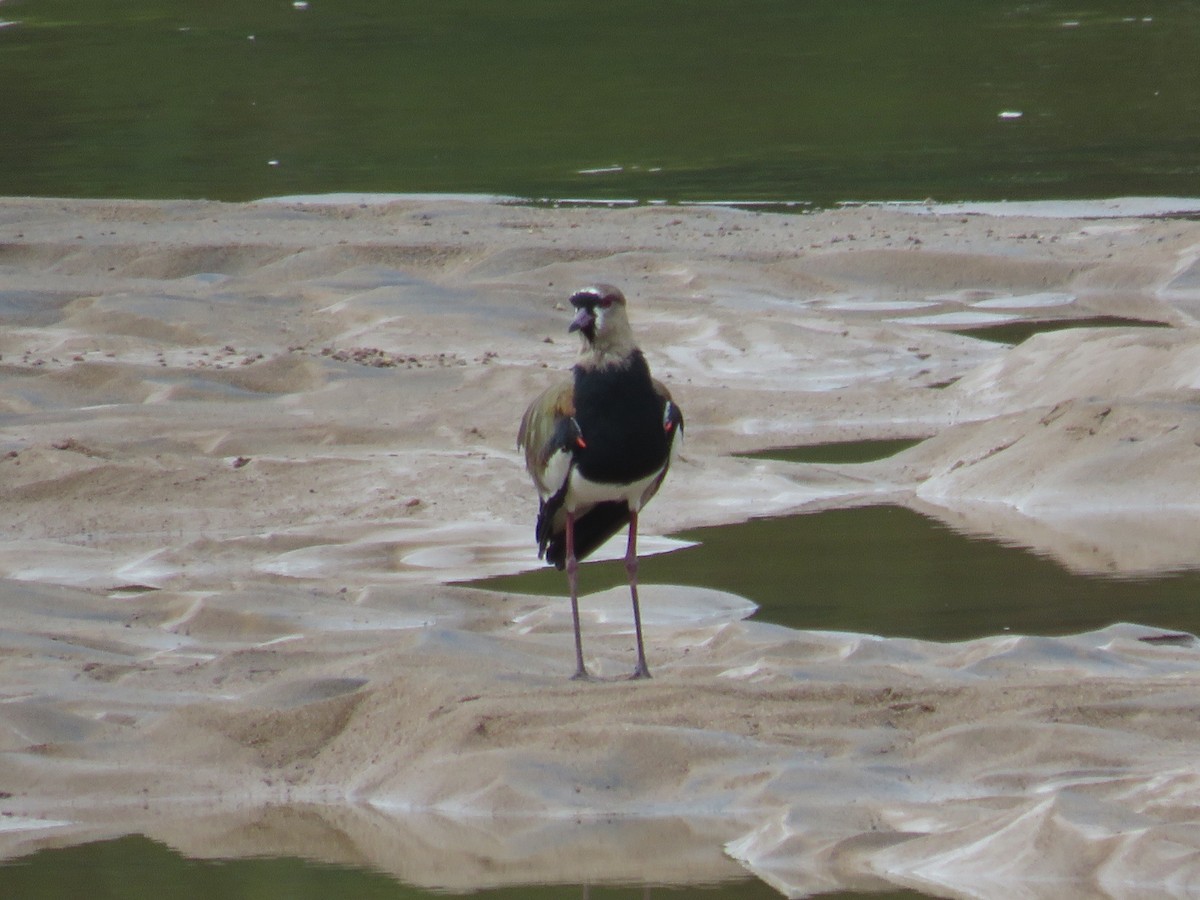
(601, 319)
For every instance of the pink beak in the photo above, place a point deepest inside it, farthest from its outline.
(583, 320)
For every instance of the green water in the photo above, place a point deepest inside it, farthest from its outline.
(809, 100)
(890, 571)
(134, 868)
(837, 452)
(1016, 332)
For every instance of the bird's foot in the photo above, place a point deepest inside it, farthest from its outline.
(640, 672)
(582, 675)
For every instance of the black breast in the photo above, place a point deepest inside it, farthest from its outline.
(620, 416)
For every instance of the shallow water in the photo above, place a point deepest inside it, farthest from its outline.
(820, 101)
(134, 868)
(1016, 332)
(836, 452)
(888, 570)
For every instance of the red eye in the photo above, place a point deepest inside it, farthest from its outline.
(604, 302)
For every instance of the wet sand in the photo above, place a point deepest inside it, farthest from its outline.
(245, 448)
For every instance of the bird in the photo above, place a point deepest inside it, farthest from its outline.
(597, 446)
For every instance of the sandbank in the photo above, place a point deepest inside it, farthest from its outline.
(247, 449)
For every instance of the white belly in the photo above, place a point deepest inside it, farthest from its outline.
(582, 493)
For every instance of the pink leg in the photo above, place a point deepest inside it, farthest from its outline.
(573, 582)
(631, 567)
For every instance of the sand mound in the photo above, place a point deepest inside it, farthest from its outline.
(245, 448)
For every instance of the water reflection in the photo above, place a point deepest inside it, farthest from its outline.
(135, 868)
(891, 571)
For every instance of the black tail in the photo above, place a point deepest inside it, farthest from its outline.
(592, 529)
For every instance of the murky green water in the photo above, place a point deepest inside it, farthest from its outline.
(890, 571)
(1016, 332)
(810, 100)
(134, 868)
(837, 452)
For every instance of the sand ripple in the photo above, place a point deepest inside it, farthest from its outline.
(245, 448)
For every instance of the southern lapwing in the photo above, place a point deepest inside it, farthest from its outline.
(597, 446)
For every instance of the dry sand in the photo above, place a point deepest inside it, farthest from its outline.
(244, 449)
